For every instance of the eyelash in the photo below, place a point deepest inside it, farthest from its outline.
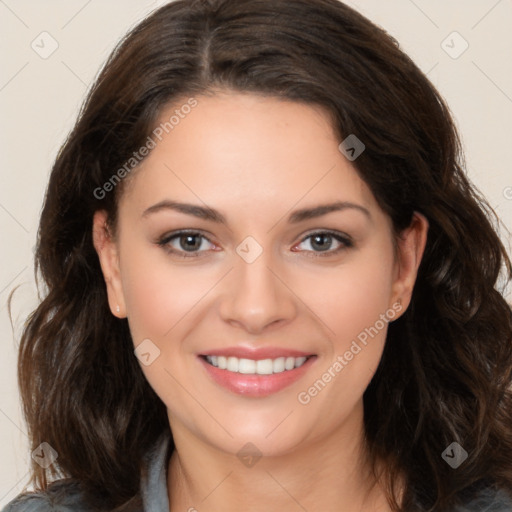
(344, 240)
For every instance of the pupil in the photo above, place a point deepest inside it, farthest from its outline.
(322, 242)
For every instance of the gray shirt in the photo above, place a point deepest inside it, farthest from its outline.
(155, 498)
(68, 497)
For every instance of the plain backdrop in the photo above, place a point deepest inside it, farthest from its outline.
(465, 47)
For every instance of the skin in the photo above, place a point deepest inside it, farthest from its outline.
(256, 160)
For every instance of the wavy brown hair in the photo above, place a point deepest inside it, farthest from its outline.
(446, 371)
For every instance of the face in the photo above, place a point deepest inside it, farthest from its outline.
(257, 272)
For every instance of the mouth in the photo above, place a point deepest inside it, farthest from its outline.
(256, 377)
(256, 367)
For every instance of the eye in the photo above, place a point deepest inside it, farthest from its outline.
(190, 244)
(323, 242)
(183, 242)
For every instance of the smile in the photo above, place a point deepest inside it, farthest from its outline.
(255, 377)
(256, 367)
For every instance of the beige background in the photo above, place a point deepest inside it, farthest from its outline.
(40, 97)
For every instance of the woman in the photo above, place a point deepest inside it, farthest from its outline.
(270, 284)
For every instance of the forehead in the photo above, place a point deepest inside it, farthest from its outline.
(236, 149)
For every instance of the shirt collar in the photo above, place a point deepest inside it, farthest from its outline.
(155, 497)
(153, 488)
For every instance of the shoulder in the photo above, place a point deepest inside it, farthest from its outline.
(66, 495)
(60, 496)
(488, 500)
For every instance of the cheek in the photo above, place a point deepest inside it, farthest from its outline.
(159, 295)
(161, 298)
(352, 297)
(354, 304)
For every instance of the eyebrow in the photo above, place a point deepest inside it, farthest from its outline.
(207, 213)
(318, 211)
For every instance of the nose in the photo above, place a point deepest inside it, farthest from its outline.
(255, 297)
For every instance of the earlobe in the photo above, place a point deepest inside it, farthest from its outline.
(410, 248)
(107, 251)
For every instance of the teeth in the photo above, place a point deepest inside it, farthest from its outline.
(278, 365)
(260, 367)
(299, 361)
(289, 363)
(246, 366)
(232, 364)
(264, 367)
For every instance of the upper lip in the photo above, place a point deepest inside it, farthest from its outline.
(256, 353)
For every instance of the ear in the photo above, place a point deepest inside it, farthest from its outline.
(108, 254)
(410, 246)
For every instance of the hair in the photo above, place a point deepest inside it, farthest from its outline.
(446, 371)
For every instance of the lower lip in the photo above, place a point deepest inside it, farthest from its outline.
(256, 385)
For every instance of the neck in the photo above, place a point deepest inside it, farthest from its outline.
(331, 473)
